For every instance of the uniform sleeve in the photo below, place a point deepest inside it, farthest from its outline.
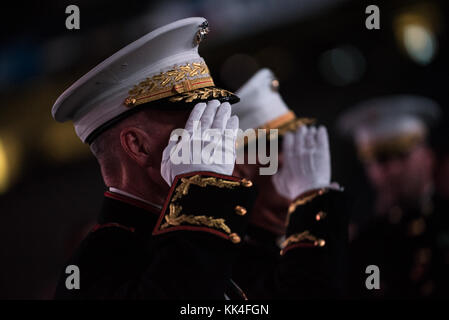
(191, 250)
(196, 236)
(313, 255)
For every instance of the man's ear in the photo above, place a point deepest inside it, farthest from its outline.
(136, 143)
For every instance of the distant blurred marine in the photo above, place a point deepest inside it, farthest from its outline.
(391, 136)
(297, 231)
(160, 234)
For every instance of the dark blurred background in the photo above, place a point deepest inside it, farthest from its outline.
(325, 58)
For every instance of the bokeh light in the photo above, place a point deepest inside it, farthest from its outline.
(416, 32)
(342, 65)
(3, 168)
(420, 43)
(10, 161)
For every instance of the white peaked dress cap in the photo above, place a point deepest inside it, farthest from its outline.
(388, 116)
(162, 69)
(390, 123)
(261, 105)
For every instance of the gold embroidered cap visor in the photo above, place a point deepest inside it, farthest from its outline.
(398, 146)
(161, 70)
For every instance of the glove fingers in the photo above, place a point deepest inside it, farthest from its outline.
(222, 116)
(300, 139)
(195, 115)
(288, 150)
(310, 138)
(230, 134)
(209, 114)
(233, 123)
(288, 145)
(322, 138)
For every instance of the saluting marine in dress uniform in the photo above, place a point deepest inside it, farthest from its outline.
(298, 204)
(159, 234)
(399, 234)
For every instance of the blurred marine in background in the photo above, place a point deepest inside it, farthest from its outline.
(296, 237)
(391, 136)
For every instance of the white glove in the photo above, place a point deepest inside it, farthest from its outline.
(209, 127)
(307, 164)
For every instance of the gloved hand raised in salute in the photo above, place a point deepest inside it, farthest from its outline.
(207, 143)
(307, 164)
